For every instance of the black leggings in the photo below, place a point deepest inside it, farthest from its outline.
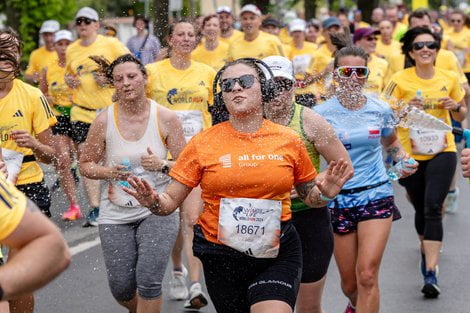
(427, 189)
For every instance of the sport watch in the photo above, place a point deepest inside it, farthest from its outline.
(165, 169)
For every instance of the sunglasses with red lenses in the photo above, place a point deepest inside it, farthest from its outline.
(432, 45)
(245, 81)
(347, 71)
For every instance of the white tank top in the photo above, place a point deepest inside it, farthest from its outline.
(117, 207)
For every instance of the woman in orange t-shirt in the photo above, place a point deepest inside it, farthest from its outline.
(246, 167)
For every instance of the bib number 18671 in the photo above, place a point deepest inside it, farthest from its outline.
(249, 229)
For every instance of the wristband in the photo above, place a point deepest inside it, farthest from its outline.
(325, 198)
(457, 109)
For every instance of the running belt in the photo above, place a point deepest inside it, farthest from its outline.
(363, 188)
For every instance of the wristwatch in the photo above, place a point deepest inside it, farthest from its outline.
(165, 169)
(457, 109)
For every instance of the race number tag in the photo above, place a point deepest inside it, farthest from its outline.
(13, 160)
(191, 121)
(427, 142)
(251, 226)
(301, 63)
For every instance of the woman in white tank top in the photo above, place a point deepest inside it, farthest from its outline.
(133, 136)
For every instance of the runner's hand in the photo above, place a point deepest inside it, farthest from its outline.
(465, 161)
(417, 102)
(118, 173)
(409, 169)
(335, 176)
(3, 168)
(151, 162)
(24, 139)
(143, 192)
(448, 103)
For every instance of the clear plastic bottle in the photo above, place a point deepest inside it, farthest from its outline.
(395, 172)
(127, 168)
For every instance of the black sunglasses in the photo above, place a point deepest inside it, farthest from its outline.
(245, 81)
(371, 38)
(85, 20)
(432, 45)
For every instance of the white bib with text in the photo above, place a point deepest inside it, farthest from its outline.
(427, 142)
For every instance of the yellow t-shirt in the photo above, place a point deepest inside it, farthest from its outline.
(321, 59)
(24, 108)
(403, 86)
(89, 94)
(386, 51)
(399, 31)
(188, 92)
(263, 46)
(461, 41)
(12, 207)
(236, 34)
(445, 60)
(285, 37)
(57, 88)
(215, 58)
(302, 60)
(378, 71)
(39, 59)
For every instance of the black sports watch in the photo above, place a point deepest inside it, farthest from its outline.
(165, 169)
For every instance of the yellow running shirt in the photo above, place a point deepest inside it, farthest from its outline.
(188, 92)
(39, 59)
(404, 85)
(321, 59)
(88, 94)
(386, 51)
(236, 34)
(378, 72)
(263, 46)
(12, 207)
(215, 58)
(24, 108)
(461, 41)
(61, 93)
(229, 164)
(302, 60)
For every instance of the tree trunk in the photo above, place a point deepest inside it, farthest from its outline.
(366, 6)
(310, 7)
(161, 22)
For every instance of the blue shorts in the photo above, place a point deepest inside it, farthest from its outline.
(345, 220)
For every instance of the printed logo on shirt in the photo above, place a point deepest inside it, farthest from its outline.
(226, 160)
(247, 160)
(374, 132)
(201, 83)
(175, 96)
(251, 213)
(18, 114)
(443, 88)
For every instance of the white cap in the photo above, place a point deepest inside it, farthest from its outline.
(280, 66)
(297, 25)
(224, 9)
(250, 8)
(49, 26)
(87, 12)
(63, 34)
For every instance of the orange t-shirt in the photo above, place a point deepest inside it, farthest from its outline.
(229, 164)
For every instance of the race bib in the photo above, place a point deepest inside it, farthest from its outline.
(13, 160)
(191, 121)
(251, 226)
(301, 63)
(427, 142)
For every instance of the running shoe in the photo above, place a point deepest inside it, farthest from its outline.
(422, 266)
(178, 290)
(91, 218)
(197, 298)
(350, 309)
(430, 288)
(73, 213)
(451, 203)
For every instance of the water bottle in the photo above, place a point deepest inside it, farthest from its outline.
(395, 172)
(126, 163)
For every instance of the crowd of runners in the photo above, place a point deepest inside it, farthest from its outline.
(211, 143)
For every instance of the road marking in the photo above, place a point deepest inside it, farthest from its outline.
(84, 246)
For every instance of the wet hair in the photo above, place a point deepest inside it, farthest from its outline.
(9, 42)
(345, 47)
(107, 68)
(419, 13)
(207, 18)
(409, 37)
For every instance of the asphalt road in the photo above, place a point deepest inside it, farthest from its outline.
(83, 287)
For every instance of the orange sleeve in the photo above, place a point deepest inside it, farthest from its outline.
(187, 169)
(304, 170)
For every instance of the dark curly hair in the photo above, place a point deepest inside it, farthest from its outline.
(410, 36)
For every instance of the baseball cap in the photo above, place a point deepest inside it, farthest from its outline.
(224, 9)
(364, 32)
(280, 66)
(297, 25)
(250, 8)
(331, 21)
(63, 34)
(49, 26)
(270, 21)
(88, 13)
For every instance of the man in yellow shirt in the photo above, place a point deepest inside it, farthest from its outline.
(44, 55)
(254, 43)
(92, 90)
(391, 14)
(272, 26)
(386, 45)
(227, 32)
(460, 36)
(378, 15)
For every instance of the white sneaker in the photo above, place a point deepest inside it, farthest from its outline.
(197, 298)
(178, 289)
(451, 203)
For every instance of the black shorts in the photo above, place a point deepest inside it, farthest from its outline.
(316, 236)
(63, 126)
(39, 194)
(236, 281)
(80, 131)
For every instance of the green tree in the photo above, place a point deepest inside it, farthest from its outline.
(27, 16)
